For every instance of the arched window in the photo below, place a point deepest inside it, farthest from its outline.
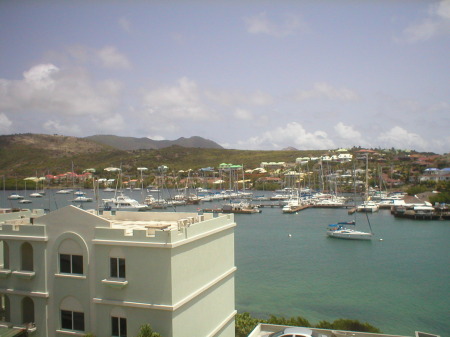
(27, 310)
(27, 257)
(70, 258)
(4, 250)
(72, 314)
(5, 309)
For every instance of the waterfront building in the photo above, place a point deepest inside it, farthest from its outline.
(73, 272)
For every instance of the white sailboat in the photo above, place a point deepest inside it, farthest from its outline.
(368, 206)
(346, 230)
(15, 196)
(342, 230)
(24, 200)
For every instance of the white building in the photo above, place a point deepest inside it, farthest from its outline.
(72, 272)
(345, 157)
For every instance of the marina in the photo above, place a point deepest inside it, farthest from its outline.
(287, 266)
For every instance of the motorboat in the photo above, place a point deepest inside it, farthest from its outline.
(124, 203)
(64, 191)
(368, 206)
(341, 230)
(240, 208)
(292, 205)
(82, 199)
(15, 196)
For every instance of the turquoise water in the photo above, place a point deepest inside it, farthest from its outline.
(400, 284)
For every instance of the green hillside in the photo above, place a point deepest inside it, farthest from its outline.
(30, 155)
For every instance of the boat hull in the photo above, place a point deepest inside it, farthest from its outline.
(350, 235)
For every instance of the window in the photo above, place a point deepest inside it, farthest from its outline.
(27, 310)
(27, 257)
(4, 308)
(119, 326)
(5, 261)
(72, 320)
(71, 264)
(117, 267)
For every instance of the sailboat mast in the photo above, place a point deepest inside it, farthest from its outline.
(367, 176)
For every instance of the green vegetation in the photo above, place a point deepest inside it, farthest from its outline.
(417, 189)
(147, 331)
(246, 323)
(28, 155)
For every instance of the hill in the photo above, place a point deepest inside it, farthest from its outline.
(25, 155)
(132, 143)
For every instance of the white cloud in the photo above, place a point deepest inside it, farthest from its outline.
(181, 101)
(52, 126)
(156, 137)
(232, 98)
(5, 123)
(437, 22)
(47, 89)
(114, 122)
(125, 24)
(243, 114)
(349, 134)
(293, 134)
(260, 24)
(325, 90)
(111, 58)
(400, 138)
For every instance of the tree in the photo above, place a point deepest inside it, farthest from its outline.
(147, 331)
(244, 324)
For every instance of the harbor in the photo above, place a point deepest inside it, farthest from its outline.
(287, 266)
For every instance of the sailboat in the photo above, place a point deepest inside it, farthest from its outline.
(15, 196)
(346, 230)
(368, 205)
(343, 230)
(24, 200)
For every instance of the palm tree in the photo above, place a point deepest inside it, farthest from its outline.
(147, 331)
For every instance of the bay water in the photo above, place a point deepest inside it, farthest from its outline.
(287, 266)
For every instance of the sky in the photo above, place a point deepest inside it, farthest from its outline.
(248, 74)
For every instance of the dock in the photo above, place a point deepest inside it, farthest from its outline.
(296, 209)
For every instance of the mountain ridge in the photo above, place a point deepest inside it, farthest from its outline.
(143, 143)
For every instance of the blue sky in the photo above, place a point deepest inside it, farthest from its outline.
(257, 75)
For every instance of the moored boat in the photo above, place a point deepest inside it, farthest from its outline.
(341, 230)
(123, 203)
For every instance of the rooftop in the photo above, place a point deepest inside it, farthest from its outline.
(264, 330)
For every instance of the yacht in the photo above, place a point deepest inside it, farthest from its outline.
(64, 191)
(124, 203)
(15, 196)
(82, 199)
(340, 230)
(368, 206)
